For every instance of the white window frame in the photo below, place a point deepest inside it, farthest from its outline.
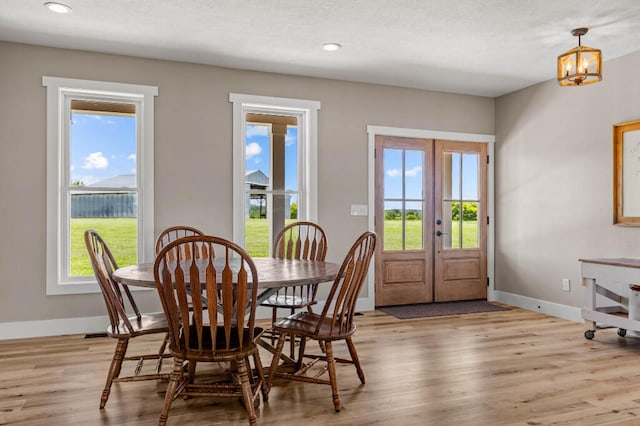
(60, 91)
(307, 113)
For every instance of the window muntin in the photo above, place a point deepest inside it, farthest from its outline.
(69, 99)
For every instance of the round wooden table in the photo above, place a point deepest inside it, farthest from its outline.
(272, 274)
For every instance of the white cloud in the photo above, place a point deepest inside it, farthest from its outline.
(95, 160)
(257, 131)
(413, 172)
(253, 149)
(132, 157)
(290, 140)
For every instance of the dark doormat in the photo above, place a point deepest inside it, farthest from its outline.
(424, 310)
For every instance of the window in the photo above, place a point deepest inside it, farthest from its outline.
(275, 174)
(100, 175)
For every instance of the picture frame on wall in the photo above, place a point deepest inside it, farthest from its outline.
(626, 173)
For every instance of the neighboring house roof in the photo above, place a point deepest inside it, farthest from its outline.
(120, 181)
(256, 177)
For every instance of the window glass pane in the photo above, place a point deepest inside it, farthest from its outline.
(392, 225)
(102, 154)
(470, 225)
(291, 159)
(470, 176)
(413, 175)
(102, 150)
(114, 216)
(413, 225)
(258, 156)
(256, 226)
(392, 173)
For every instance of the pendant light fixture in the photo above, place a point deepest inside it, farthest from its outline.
(580, 65)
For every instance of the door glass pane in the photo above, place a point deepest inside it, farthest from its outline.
(450, 231)
(460, 200)
(455, 175)
(413, 175)
(470, 176)
(470, 225)
(392, 225)
(413, 226)
(403, 199)
(393, 173)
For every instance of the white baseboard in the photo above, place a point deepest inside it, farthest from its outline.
(55, 327)
(26, 329)
(550, 308)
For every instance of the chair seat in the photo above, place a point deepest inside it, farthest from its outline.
(288, 301)
(305, 324)
(147, 324)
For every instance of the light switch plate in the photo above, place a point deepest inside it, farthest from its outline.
(359, 210)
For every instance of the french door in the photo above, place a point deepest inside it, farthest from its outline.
(431, 220)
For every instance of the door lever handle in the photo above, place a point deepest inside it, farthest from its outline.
(439, 234)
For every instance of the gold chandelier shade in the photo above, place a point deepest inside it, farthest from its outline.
(580, 65)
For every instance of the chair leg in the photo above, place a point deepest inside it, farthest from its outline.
(331, 366)
(354, 357)
(292, 340)
(276, 358)
(274, 318)
(263, 383)
(303, 344)
(114, 369)
(174, 379)
(246, 390)
(163, 347)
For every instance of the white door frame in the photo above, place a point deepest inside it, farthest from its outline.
(368, 303)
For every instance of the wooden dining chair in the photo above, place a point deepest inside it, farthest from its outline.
(225, 282)
(334, 323)
(173, 233)
(122, 325)
(301, 241)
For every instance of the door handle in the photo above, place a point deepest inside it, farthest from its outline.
(439, 234)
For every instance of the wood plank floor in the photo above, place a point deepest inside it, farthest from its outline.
(512, 367)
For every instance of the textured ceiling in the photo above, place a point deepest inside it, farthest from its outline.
(480, 47)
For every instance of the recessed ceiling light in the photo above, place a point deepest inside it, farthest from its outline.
(331, 47)
(57, 7)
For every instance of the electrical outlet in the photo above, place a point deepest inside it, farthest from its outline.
(566, 284)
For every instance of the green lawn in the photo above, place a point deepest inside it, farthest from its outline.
(120, 235)
(393, 234)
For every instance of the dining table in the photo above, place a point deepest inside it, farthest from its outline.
(273, 274)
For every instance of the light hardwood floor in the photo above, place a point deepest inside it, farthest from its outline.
(513, 367)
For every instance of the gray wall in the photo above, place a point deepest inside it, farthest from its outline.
(193, 144)
(554, 181)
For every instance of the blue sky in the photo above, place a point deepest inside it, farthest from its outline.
(102, 146)
(258, 153)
